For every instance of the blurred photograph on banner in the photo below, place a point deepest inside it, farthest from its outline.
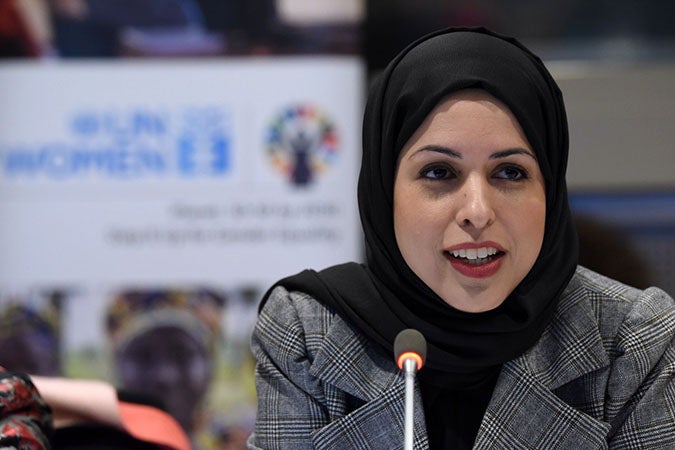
(31, 331)
(169, 162)
(184, 348)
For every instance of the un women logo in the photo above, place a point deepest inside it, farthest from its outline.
(301, 143)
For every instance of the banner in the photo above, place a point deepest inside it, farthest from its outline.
(147, 205)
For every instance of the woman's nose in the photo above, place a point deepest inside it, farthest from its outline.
(476, 209)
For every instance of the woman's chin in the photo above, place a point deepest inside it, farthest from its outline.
(474, 297)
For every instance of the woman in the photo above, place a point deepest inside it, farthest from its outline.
(469, 240)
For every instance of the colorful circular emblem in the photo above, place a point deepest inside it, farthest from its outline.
(302, 143)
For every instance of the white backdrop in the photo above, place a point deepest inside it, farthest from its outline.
(93, 188)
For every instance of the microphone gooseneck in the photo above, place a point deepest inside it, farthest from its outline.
(410, 351)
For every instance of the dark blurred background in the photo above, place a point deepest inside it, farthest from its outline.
(625, 30)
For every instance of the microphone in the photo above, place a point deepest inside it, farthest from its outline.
(410, 350)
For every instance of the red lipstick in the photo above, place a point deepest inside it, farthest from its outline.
(475, 260)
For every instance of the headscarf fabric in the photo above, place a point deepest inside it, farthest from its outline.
(385, 296)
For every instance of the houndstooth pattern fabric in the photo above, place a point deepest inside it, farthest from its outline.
(602, 376)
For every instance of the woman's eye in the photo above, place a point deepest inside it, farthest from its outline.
(437, 173)
(511, 173)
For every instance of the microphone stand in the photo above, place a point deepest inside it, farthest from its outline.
(410, 369)
(410, 350)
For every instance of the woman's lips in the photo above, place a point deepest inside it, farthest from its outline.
(475, 260)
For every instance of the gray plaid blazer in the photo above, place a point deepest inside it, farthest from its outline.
(601, 376)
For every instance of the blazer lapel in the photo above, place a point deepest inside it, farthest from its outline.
(524, 411)
(349, 362)
(526, 414)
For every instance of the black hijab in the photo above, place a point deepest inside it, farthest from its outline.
(384, 296)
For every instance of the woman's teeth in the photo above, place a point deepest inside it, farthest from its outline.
(476, 256)
(474, 253)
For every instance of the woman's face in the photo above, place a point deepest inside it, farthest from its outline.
(469, 202)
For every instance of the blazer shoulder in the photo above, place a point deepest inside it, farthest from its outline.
(617, 304)
(298, 314)
(638, 328)
(304, 305)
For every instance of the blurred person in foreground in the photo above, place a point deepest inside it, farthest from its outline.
(94, 415)
(469, 240)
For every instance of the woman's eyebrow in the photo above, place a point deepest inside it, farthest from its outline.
(455, 154)
(440, 149)
(513, 151)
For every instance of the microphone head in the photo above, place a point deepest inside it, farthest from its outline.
(410, 343)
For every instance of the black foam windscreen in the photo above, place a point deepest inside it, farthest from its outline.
(410, 340)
